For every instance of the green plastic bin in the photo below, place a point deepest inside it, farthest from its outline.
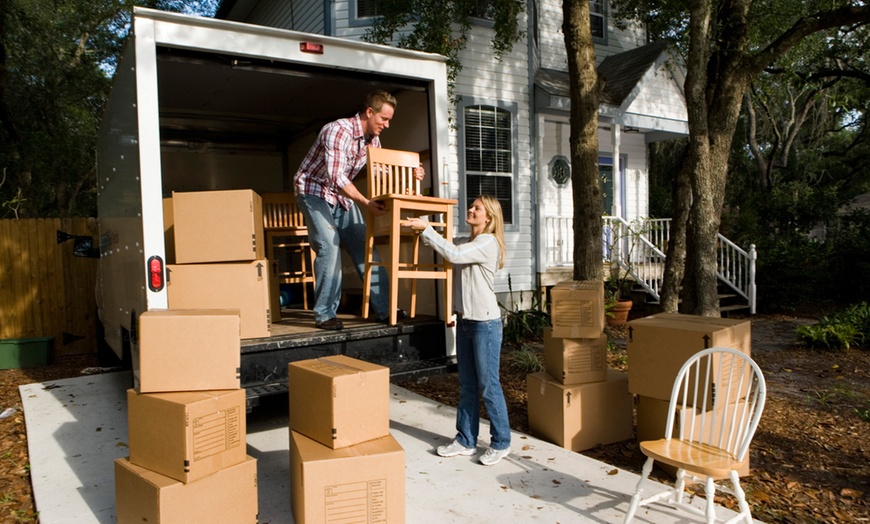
(18, 353)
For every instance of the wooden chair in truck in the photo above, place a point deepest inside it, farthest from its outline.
(391, 181)
(709, 444)
(287, 244)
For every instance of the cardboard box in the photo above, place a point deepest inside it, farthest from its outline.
(228, 496)
(241, 285)
(339, 401)
(658, 346)
(575, 360)
(218, 226)
(168, 232)
(187, 350)
(187, 435)
(360, 483)
(581, 416)
(652, 418)
(577, 309)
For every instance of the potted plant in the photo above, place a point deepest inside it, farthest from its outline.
(617, 302)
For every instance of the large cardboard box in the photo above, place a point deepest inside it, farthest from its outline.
(652, 418)
(187, 435)
(187, 350)
(582, 416)
(240, 285)
(218, 226)
(339, 401)
(575, 360)
(228, 496)
(658, 346)
(577, 309)
(360, 483)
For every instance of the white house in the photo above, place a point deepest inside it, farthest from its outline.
(511, 132)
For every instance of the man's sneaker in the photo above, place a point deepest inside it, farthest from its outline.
(492, 456)
(455, 449)
(332, 324)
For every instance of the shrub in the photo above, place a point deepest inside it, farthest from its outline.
(841, 330)
(526, 360)
(523, 324)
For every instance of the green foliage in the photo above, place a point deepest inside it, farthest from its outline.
(526, 360)
(523, 324)
(863, 413)
(842, 330)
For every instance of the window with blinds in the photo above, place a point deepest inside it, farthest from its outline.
(367, 8)
(598, 18)
(489, 155)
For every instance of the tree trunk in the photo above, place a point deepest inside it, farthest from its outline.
(585, 96)
(675, 262)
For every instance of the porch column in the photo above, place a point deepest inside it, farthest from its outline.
(616, 140)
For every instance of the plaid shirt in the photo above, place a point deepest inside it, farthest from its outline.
(335, 158)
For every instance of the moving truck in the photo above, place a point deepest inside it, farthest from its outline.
(199, 104)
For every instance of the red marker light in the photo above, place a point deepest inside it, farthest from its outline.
(309, 47)
(155, 273)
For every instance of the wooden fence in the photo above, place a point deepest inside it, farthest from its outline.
(45, 289)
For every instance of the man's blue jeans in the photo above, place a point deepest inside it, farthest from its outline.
(329, 229)
(478, 350)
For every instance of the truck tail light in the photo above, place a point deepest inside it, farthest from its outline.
(155, 273)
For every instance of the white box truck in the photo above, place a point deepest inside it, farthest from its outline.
(199, 104)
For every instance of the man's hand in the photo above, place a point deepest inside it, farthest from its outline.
(377, 208)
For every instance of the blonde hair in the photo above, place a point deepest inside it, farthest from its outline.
(495, 226)
(377, 99)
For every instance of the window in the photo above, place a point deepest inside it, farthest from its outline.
(598, 18)
(367, 8)
(483, 9)
(489, 155)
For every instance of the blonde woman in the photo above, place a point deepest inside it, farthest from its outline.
(479, 327)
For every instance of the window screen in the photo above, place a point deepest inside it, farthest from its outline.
(489, 155)
(597, 18)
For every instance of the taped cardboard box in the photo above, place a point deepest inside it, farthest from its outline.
(658, 346)
(228, 496)
(582, 416)
(652, 419)
(187, 435)
(240, 285)
(360, 483)
(575, 360)
(187, 350)
(339, 401)
(577, 309)
(218, 226)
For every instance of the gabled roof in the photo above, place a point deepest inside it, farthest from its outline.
(622, 72)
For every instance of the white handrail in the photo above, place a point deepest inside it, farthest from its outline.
(639, 248)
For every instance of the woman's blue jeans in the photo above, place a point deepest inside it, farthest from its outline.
(478, 350)
(329, 229)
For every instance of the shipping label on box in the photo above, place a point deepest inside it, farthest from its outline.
(187, 350)
(187, 435)
(339, 401)
(240, 285)
(228, 496)
(652, 419)
(658, 346)
(582, 416)
(360, 483)
(577, 309)
(575, 360)
(218, 226)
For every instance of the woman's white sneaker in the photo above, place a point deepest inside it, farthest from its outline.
(492, 456)
(455, 449)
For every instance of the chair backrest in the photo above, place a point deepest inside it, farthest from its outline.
(391, 172)
(280, 212)
(739, 391)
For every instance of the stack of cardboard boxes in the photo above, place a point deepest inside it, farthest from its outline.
(186, 422)
(344, 464)
(658, 346)
(218, 256)
(578, 402)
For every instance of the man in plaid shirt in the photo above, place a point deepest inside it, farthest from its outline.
(331, 205)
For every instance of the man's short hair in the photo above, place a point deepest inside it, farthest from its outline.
(377, 99)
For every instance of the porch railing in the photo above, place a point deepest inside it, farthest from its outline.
(639, 248)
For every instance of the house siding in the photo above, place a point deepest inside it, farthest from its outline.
(305, 15)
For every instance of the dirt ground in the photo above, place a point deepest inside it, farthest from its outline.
(810, 458)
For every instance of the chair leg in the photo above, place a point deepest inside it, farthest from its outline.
(638, 491)
(679, 486)
(367, 278)
(741, 497)
(416, 260)
(710, 493)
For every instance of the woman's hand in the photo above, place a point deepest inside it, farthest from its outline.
(415, 223)
(419, 172)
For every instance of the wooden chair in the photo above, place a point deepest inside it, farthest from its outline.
(287, 241)
(707, 447)
(391, 181)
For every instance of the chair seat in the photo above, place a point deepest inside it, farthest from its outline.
(696, 457)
